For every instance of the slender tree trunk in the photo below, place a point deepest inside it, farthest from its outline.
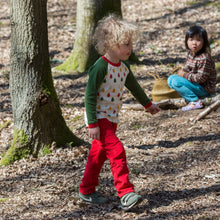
(88, 14)
(37, 115)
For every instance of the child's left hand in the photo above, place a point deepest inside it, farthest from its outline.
(153, 109)
(181, 73)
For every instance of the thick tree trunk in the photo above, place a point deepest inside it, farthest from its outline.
(37, 115)
(88, 14)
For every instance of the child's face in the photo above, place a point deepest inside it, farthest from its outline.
(195, 43)
(123, 51)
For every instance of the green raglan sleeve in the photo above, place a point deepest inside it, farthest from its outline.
(132, 84)
(96, 76)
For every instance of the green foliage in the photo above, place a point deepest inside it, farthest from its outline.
(46, 150)
(2, 24)
(70, 144)
(68, 106)
(47, 91)
(191, 2)
(5, 124)
(136, 127)
(19, 148)
(214, 4)
(78, 117)
(3, 199)
(135, 67)
(217, 66)
(5, 74)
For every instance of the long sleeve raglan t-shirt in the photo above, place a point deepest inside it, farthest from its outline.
(103, 98)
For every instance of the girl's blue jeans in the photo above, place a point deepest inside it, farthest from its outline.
(191, 92)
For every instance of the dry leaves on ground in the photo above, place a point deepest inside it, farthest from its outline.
(173, 163)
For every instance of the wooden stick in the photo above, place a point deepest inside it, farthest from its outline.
(211, 108)
(172, 103)
(180, 102)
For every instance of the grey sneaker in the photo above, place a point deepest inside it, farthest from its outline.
(95, 198)
(129, 200)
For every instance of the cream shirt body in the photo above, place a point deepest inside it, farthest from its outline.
(109, 96)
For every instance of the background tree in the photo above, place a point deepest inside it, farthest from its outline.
(89, 12)
(37, 115)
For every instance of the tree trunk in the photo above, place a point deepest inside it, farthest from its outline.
(88, 14)
(37, 114)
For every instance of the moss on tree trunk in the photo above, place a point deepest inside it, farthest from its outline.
(18, 150)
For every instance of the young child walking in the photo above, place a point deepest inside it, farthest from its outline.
(113, 39)
(198, 78)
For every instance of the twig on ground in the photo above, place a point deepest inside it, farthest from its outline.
(172, 103)
(211, 108)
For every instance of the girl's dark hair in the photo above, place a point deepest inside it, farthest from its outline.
(194, 30)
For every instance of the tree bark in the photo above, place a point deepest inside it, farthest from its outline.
(88, 14)
(38, 119)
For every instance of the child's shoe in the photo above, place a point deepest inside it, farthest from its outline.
(129, 200)
(95, 198)
(193, 105)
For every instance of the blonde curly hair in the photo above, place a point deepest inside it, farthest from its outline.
(112, 31)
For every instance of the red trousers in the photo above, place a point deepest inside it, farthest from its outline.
(109, 147)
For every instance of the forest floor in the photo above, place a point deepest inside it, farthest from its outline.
(173, 162)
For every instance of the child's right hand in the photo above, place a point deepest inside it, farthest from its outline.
(153, 109)
(94, 133)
